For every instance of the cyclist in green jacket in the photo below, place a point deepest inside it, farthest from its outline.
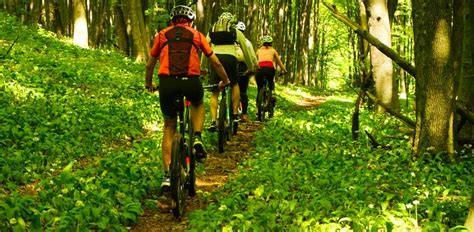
(223, 37)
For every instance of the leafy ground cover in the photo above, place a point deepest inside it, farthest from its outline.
(307, 174)
(74, 154)
(78, 152)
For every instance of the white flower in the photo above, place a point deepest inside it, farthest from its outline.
(409, 206)
(416, 202)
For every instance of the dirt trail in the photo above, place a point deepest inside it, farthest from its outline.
(218, 168)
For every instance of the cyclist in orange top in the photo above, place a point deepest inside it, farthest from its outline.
(266, 56)
(179, 73)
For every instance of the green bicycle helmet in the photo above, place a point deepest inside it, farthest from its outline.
(267, 39)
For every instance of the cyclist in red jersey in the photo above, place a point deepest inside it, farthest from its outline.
(266, 56)
(179, 73)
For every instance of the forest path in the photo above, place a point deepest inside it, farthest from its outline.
(218, 169)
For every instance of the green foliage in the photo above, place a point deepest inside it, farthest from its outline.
(307, 174)
(74, 152)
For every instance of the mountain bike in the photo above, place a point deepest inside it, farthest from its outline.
(183, 160)
(224, 122)
(265, 104)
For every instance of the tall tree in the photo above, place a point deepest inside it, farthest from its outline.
(465, 93)
(140, 43)
(435, 81)
(382, 68)
(470, 217)
(81, 35)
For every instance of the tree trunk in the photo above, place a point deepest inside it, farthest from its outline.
(81, 36)
(121, 30)
(470, 217)
(435, 81)
(465, 94)
(139, 37)
(382, 68)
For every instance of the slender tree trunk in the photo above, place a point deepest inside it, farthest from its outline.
(470, 216)
(36, 11)
(466, 83)
(121, 30)
(435, 82)
(81, 35)
(382, 67)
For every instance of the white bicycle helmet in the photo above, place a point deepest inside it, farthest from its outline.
(240, 26)
(182, 10)
(267, 39)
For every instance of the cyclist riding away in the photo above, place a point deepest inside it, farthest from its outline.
(244, 74)
(266, 56)
(223, 37)
(179, 74)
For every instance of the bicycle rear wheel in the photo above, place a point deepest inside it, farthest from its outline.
(269, 101)
(190, 158)
(221, 125)
(177, 175)
(261, 105)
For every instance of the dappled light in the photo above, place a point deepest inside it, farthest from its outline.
(82, 130)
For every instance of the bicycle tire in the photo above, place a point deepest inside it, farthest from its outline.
(177, 175)
(230, 110)
(269, 102)
(261, 104)
(191, 180)
(221, 127)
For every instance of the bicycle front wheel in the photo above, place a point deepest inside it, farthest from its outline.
(177, 175)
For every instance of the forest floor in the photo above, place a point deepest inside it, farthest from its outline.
(218, 169)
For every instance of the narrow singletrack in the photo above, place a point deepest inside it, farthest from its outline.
(218, 169)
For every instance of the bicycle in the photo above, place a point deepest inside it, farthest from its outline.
(265, 104)
(224, 123)
(183, 160)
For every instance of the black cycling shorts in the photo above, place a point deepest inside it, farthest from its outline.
(268, 73)
(230, 65)
(172, 87)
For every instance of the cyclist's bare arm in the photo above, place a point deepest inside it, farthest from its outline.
(216, 64)
(277, 57)
(150, 66)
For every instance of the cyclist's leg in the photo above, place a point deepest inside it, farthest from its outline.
(168, 93)
(195, 93)
(271, 78)
(235, 100)
(259, 79)
(230, 65)
(243, 85)
(214, 79)
(244, 100)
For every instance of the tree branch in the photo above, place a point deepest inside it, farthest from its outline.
(405, 65)
(464, 112)
(392, 112)
(11, 46)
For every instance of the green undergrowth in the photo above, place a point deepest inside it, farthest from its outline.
(308, 175)
(74, 152)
